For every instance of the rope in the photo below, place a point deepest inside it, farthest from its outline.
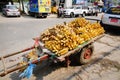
(28, 71)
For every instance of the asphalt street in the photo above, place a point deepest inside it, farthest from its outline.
(17, 33)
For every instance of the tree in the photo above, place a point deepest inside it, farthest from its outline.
(23, 6)
(119, 3)
(115, 2)
(93, 1)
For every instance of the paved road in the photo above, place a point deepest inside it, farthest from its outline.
(17, 34)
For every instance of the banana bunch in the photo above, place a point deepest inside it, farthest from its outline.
(62, 38)
(21, 64)
(78, 22)
(95, 29)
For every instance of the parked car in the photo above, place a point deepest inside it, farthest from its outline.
(111, 17)
(10, 10)
(93, 11)
(75, 11)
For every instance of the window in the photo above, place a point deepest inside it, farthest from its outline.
(114, 10)
(62, 1)
(84, 7)
(12, 7)
(77, 7)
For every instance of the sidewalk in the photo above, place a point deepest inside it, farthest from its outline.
(93, 17)
(52, 16)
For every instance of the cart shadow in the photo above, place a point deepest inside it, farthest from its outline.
(115, 31)
(42, 69)
(46, 67)
(15, 76)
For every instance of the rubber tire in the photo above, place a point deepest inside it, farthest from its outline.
(81, 59)
(92, 14)
(19, 16)
(45, 17)
(71, 14)
(36, 16)
(96, 14)
(84, 14)
(3, 14)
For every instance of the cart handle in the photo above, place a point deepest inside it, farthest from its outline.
(44, 57)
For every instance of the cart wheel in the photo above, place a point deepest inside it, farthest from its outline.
(71, 14)
(84, 14)
(85, 54)
(44, 16)
(36, 16)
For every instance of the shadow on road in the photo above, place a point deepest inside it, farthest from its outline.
(40, 72)
(42, 69)
(15, 76)
(112, 30)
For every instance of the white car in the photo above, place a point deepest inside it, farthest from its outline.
(74, 11)
(10, 10)
(111, 17)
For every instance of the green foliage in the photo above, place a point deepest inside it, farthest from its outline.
(15, 0)
(115, 2)
(93, 0)
(119, 3)
(20, 0)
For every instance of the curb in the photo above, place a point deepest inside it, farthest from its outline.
(52, 16)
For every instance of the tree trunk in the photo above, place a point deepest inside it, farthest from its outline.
(23, 10)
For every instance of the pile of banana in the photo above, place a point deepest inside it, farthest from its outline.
(62, 38)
